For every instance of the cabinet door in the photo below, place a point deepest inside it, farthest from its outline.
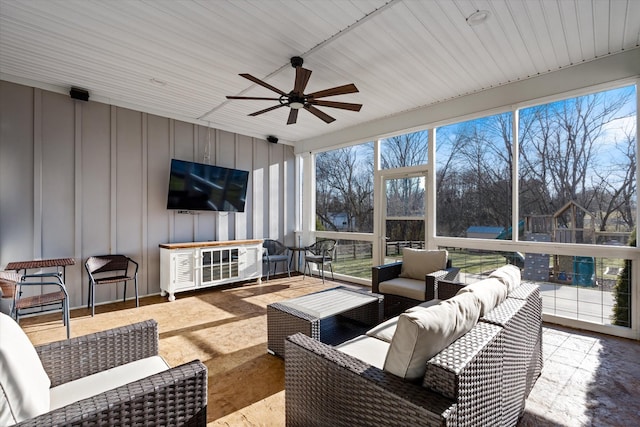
(183, 269)
(251, 262)
(219, 265)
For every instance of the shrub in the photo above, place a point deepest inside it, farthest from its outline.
(622, 292)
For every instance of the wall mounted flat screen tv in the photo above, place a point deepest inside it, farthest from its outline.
(196, 186)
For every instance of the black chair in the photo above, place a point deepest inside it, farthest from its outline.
(321, 253)
(105, 269)
(273, 253)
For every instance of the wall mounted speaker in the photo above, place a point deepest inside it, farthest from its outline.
(272, 139)
(80, 94)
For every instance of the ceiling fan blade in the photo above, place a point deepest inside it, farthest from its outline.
(253, 97)
(339, 90)
(302, 78)
(323, 116)
(261, 83)
(267, 110)
(333, 104)
(293, 116)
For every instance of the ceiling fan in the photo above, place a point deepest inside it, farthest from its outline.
(297, 99)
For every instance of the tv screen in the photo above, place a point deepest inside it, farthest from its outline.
(196, 186)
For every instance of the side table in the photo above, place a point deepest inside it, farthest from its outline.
(297, 250)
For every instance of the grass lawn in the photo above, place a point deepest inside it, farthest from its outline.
(469, 261)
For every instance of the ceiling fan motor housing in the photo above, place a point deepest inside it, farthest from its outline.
(296, 61)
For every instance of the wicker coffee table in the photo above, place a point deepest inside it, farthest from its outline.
(323, 315)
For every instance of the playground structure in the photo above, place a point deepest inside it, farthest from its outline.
(515, 258)
(570, 224)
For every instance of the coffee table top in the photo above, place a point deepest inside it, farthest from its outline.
(329, 302)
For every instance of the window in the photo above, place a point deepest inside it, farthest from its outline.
(409, 149)
(473, 178)
(354, 258)
(404, 221)
(591, 289)
(344, 189)
(578, 169)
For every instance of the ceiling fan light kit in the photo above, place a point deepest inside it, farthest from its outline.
(297, 99)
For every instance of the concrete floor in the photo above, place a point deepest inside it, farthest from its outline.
(588, 379)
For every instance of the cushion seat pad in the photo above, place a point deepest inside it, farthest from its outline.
(103, 381)
(368, 349)
(404, 287)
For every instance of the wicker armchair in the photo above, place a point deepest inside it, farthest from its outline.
(396, 304)
(176, 396)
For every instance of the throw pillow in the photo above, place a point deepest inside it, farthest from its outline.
(24, 384)
(509, 275)
(490, 292)
(417, 263)
(421, 334)
(385, 330)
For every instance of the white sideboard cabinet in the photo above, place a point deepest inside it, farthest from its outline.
(189, 266)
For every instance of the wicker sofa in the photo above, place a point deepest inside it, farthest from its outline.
(76, 367)
(481, 378)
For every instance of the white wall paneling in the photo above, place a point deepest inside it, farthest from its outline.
(144, 198)
(261, 190)
(96, 199)
(77, 193)
(159, 220)
(206, 223)
(275, 191)
(17, 231)
(184, 149)
(37, 172)
(128, 194)
(85, 178)
(243, 220)
(225, 157)
(57, 183)
(289, 199)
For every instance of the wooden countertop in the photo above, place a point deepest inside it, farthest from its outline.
(209, 244)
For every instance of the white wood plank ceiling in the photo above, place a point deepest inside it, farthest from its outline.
(181, 58)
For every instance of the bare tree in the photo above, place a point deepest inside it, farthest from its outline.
(476, 168)
(344, 185)
(404, 150)
(562, 149)
(615, 185)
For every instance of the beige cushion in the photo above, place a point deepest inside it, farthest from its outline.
(490, 292)
(24, 384)
(421, 334)
(417, 263)
(92, 385)
(425, 304)
(368, 349)
(385, 330)
(509, 275)
(408, 288)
